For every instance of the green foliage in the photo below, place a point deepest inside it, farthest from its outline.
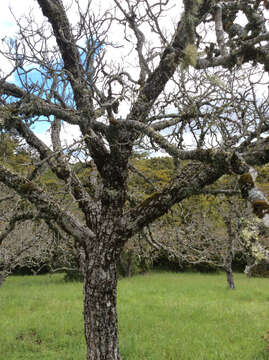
(159, 170)
(263, 174)
(50, 181)
(13, 155)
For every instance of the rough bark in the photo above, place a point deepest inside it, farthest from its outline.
(101, 258)
(229, 256)
(170, 59)
(54, 11)
(191, 180)
(46, 205)
(100, 314)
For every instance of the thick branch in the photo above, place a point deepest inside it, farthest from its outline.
(47, 207)
(8, 197)
(169, 62)
(254, 195)
(32, 105)
(220, 192)
(190, 181)
(247, 52)
(55, 160)
(55, 12)
(210, 156)
(219, 30)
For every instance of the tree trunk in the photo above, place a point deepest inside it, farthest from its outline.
(100, 314)
(3, 276)
(229, 255)
(130, 261)
(129, 270)
(230, 278)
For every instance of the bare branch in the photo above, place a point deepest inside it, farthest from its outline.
(170, 59)
(55, 12)
(219, 30)
(47, 207)
(12, 223)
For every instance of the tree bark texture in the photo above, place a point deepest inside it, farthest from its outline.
(100, 314)
(229, 255)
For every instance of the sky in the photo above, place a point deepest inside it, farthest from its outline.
(8, 29)
(20, 7)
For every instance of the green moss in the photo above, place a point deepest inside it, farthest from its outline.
(146, 202)
(260, 208)
(246, 183)
(27, 187)
(246, 179)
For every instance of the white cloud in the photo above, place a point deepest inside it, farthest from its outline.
(69, 134)
(19, 8)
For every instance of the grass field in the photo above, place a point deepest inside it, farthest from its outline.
(162, 316)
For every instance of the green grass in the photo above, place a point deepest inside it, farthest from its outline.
(162, 316)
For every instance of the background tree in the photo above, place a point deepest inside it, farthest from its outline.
(208, 236)
(116, 109)
(204, 231)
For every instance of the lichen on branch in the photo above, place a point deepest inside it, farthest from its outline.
(254, 195)
(190, 20)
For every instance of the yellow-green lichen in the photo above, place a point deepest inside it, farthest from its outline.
(190, 55)
(148, 199)
(259, 252)
(248, 234)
